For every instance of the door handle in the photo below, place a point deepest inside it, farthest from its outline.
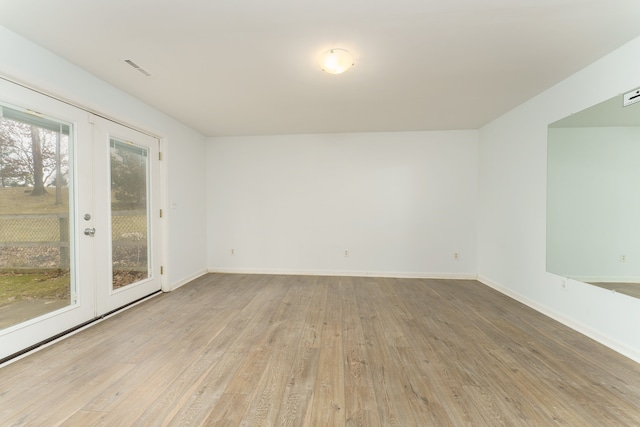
(89, 231)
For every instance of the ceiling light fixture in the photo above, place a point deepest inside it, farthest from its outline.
(337, 61)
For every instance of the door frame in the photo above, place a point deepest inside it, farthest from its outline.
(107, 298)
(29, 335)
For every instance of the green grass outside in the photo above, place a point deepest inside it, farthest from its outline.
(14, 201)
(17, 286)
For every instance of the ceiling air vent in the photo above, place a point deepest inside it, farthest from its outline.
(137, 67)
(631, 98)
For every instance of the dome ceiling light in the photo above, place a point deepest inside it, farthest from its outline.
(337, 61)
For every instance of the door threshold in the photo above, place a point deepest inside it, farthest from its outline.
(72, 331)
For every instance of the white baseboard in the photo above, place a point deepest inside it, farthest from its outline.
(402, 275)
(631, 353)
(175, 285)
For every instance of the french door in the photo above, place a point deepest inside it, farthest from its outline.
(79, 217)
(126, 227)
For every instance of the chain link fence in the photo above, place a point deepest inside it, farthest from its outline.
(42, 241)
(129, 237)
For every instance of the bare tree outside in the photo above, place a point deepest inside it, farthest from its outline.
(37, 163)
(128, 179)
(30, 157)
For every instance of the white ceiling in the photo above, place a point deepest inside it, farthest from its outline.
(251, 67)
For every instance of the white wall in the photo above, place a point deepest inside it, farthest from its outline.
(184, 164)
(512, 202)
(400, 203)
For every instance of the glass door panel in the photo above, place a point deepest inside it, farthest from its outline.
(129, 213)
(35, 274)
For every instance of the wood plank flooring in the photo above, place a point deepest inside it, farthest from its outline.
(258, 350)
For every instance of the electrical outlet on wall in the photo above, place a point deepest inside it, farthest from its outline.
(346, 253)
(233, 252)
(456, 256)
(564, 285)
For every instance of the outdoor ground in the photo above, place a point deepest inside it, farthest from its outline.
(14, 201)
(29, 293)
(24, 295)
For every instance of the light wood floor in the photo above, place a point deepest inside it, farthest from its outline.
(252, 350)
